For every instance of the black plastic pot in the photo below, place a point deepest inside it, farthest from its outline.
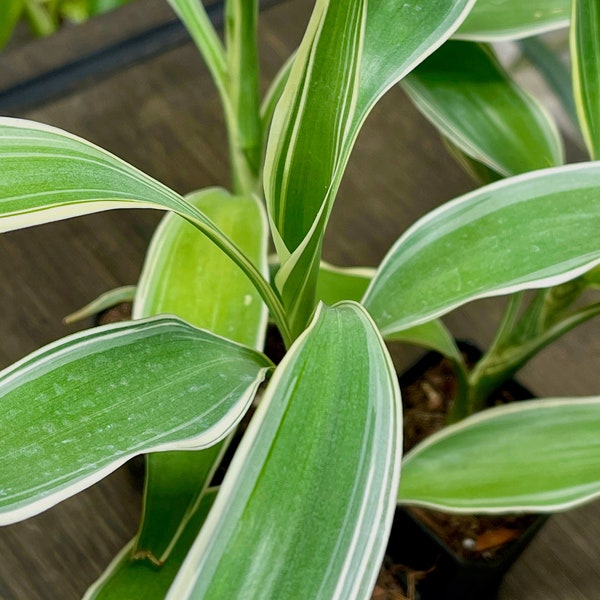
(440, 573)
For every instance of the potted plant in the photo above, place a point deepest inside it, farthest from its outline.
(306, 504)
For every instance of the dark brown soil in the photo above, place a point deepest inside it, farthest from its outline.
(115, 314)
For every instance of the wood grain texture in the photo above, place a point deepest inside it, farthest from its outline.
(73, 42)
(164, 117)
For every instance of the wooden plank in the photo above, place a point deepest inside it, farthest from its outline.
(73, 42)
(164, 117)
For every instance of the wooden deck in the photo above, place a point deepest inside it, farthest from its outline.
(162, 115)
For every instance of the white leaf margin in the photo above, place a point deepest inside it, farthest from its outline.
(487, 415)
(207, 438)
(523, 284)
(185, 579)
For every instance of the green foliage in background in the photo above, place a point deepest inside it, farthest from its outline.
(44, 17)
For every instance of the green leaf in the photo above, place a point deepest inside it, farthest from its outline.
(75, 410)
(464, 91)
(585, 57)
(103, 302)
(495, 20)
(180, 267)
(432, 335)
(273, 95)
(421, 28)
(540, 455)
(129, 579)
(354, 44)
(531, 231)
(10, 11)
(348, 58)
(49, 174)
(175, 483)
(306, 505)
(335, 284)
(316, 107)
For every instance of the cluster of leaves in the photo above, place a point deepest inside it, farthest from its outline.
(44, 17)
(497, 130)
(306, 505)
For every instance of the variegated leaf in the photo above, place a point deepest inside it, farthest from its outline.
(464, 91)
(540, 456)
(585, 58)
(330, 459)
(75, 410)
(495, 20)
(530, 231)
(348, 58)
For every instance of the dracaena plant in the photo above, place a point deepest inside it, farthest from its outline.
(305, 507)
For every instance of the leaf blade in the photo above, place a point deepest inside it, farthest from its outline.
(539, 455)
(335, 284)
(95, 366)
(252, 527)
(311, 136)
(497, 20)
(526, 232)
(585, 61)
(125, 578)
(463, 90)
(180, 266)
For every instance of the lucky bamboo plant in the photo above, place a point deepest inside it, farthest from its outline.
(305, 507)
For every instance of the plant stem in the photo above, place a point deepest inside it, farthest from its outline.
(507, 323)
(460, 407)
(245, 128)
(235, 72)
(538, 327)
(193, 15)
(475, 387)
